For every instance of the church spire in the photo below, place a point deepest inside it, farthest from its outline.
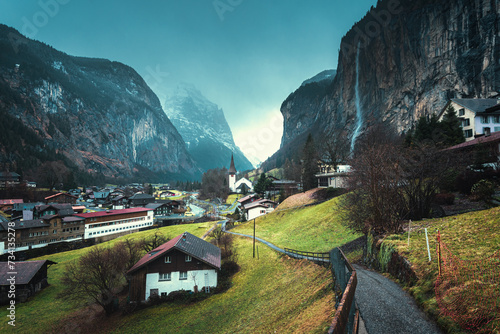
(232, 169)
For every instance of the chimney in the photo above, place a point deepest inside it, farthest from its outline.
(184, 236)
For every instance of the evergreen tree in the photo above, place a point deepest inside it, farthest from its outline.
(451, 127)
(309, 165)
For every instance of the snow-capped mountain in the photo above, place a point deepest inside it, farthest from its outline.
(204, 128)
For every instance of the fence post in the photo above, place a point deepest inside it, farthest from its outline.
(439, 253)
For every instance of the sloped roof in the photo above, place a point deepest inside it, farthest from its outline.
(188, 244)
(25, 224)
(10, 201)
(141, 196)
(476, 105)
(495, 136)
(25, 270)
(110, 212)
(258, 203)
(59, 194)
(246, 198)
(63, 209)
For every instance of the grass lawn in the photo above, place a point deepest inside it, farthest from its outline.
(233, 197)
(269, 294)
(315, 228)
(50, 311)
(470, 236)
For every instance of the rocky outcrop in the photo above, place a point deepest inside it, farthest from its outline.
(99, 114)
(204, 128)
(408, 59)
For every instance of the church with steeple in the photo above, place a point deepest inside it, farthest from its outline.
(243, 185)
(232, 176)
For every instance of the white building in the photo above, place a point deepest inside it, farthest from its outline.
(259, 208)
(232, 176)
(479, 116)
(336, 179)
(109, 222)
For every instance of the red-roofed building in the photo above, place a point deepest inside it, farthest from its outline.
(61, 198)
(183, 263)
(115, 222)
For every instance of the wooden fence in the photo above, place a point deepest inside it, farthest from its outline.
(346, 318)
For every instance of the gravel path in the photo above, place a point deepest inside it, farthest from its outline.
(386, 308)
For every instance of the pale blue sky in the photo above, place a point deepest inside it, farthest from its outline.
(246, 56)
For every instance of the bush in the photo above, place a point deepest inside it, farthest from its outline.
(444, 199)
(483, 190)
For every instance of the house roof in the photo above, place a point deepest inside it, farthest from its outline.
(72, 219)
(188, 244)
(476, 105)
(258, 203)
(59, 194)
(111, 212)
(10, 201)
(25, 271)
(25, 224)
(141, 196)
(154, 206)
(246, 198)
(101, 194)
(495, 136)
(63, 209)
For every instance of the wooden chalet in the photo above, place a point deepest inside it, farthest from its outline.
(183, 263)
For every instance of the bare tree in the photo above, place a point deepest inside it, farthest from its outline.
(375, 202)
(335, 150)
(134, 250)
(98, 276)
(153, 241)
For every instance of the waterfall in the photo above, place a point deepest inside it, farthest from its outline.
(359, 112)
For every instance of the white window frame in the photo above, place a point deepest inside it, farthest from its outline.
(183, 275)
(168, 259)
(188, 258)
(165, 277)
(485, 119)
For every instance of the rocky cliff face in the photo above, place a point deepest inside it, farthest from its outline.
(204, 128)
(404, 59)
(99, 114)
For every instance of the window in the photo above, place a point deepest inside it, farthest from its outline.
(468, 133)
(466, 122)
(55, 224)
(188, 258)
(461, 112)
(485, 119)
(166, 277)
(168, 259)
(496, 119)
(183, 275)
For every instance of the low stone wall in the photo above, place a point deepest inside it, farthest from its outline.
(382, 256)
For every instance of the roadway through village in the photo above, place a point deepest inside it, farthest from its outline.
(385, 308)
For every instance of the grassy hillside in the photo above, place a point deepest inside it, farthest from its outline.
(50, 311)
(315, 228)
(471, 236)
(271, 293)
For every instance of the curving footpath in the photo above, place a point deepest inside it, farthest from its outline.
(384, 307)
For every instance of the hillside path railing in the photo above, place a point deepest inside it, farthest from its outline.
(346, 318)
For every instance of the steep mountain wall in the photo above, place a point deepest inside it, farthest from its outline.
(99, 114)
(407, 59)
(204, 128)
